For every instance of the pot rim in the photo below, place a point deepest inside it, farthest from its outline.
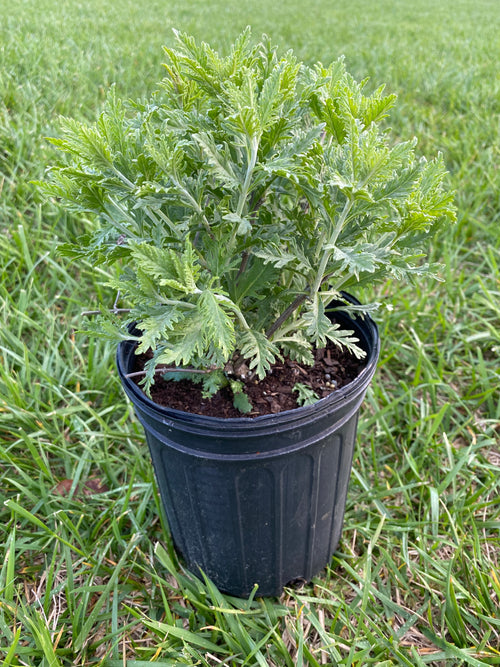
(364, 324)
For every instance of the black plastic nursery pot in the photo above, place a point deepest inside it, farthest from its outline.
(256, 500)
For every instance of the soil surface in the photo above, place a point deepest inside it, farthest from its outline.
(333, 369)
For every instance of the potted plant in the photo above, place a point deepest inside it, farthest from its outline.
(241, 205)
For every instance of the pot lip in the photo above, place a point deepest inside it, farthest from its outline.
(337, 397)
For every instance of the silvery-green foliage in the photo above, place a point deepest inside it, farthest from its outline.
(306, 396)
(241, 199)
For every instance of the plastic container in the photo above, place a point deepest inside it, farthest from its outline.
(262, 500)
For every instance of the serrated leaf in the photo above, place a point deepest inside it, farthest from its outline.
(281, 165)
(296, 347)
(306, 395)
(278, 257)
(316, 322)
(282, 255)
(377, 106)
(357, 259)
(157, 326)
(240, 400)
(213, 382)
(345, 338)
(320, 329)
(178, 376)
(242, 403)
(244, 226)
(85, 142)
(107, 327)
(432, 198)
(149, 370)
(333, 120)
(241, 106)
(254, 280)
(139, 290)
(154, 262)
(185, 346)
(259, 351)
(169, 268)
(278, 88)
(291, 161)
(218, 160)
(218, 325)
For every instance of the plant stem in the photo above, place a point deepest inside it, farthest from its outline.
(171, 369)
(195, 205)
(248, 177)
(252, 160)
(298, 301)
(244, 263)
(333, 239)
(111, 310)
(259, 199)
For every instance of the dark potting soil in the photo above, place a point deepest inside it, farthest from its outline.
(333, 369)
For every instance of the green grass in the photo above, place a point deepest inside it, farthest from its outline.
(87, 572)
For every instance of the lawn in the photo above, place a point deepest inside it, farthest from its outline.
(88, 575)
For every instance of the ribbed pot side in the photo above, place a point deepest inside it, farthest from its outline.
(262, 500)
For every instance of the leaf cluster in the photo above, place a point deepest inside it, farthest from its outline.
(241, 199)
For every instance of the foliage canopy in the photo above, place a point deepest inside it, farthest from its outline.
(238, 202)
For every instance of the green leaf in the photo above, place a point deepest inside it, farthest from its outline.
(157, 326)
(178, 376)
(278, 257)
(291, 162)
(244, 226)
(240, 400)
(32, 518)
(175, 270)
(317, 323)
(219, 159)
(240, 101)
(107, 326)
(85, 142)
(278, 87)
(333, 120)
(357, 259)
(282, 255)
(344, 338)
(254, 280)
(306, 395)
(258, 350)
(213, 382)
(377, 106)
(455, 622)
(218, 325)
(321, 329)
(296, 347)
(399, 187)
(185, 346)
